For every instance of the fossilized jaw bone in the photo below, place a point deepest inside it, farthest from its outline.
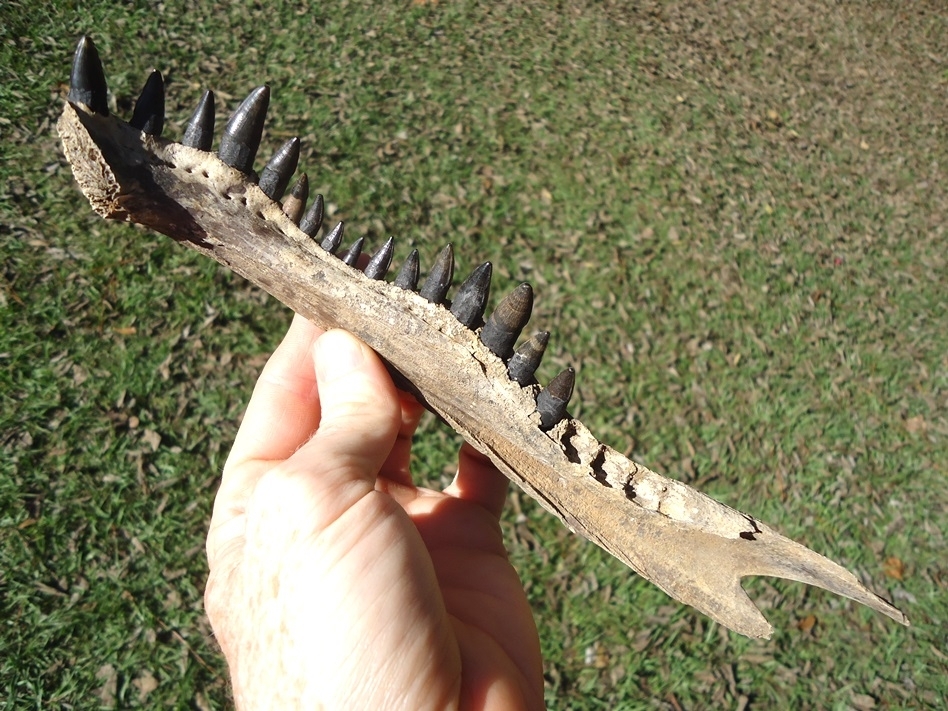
(691, 546)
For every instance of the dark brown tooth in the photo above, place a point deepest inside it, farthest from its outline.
(333, 239)
(277, 173)
(407, 278)
(505, 324)
(149, 113)
(471, 300)
(351, 257)
(199, 132)
(438, 282)
(294, 204)
(526, 359)
(241, 138)
(313, 219)
(552, 401)
(378, 266)
(87, 81)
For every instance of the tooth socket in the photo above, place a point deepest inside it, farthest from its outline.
(438, 282)
(378, 266)
(525, 361)
(407, 278)
(471, 299)
(199, 133)
(241, 138)
(503, 327)
(149, 113)
(277, 173)
(351, 257)
(313, 219)
(87, 80)
(551, 402)
(333, 239)
(294, 204)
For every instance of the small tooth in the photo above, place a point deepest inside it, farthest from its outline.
(552, 401)
(526, 360)
(149, 113)
(505, 324)
(378, 266)
(241, 137)
(199, 133)
(333, 239)
(277, 173)
(313, 219)
(351, 257)
(471, 300)
(438, 282)
(294, 204)
(87, 81)
(407, 278)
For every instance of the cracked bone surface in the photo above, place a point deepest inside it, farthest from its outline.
(691, 546)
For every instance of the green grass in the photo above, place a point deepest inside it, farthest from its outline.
(735, 226)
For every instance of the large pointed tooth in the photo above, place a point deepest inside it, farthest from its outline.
(199, 133)
(333, 239)
(408, 275)
(277, 173)
(294, 204)
(471, 300)
(378, 266)
(505, 324)
(351, 257)
(241, 137)
(552, 401)
(149, 113)
(438, 282)
(313, 219)
(87, 81)
(526, 360)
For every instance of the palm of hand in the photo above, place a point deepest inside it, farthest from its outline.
(331, 588)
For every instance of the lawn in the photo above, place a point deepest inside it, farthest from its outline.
(734, 220)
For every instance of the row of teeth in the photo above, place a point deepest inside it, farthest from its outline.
(238, 149)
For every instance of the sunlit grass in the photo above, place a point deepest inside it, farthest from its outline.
(734, 228)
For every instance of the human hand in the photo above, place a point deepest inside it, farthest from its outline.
(335, 583)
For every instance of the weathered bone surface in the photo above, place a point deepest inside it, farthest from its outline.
(691, 546)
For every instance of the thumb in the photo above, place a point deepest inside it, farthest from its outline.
(361, 412)
(359, 421)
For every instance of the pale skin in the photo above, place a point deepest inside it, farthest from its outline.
(335, 582)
